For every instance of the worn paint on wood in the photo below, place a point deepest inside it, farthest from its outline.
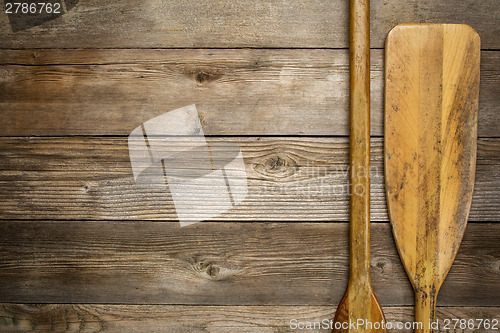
(432, 92)
(359, 301)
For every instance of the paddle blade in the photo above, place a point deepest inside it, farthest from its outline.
(431, 105)
(432, 91)
(348, 312)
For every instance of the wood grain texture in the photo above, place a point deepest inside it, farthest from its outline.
(359, 301)
(104, 90)
(289, 179)
(221, 264)
(196, 319)
(432, 93)
(236, 23)
(237, 92)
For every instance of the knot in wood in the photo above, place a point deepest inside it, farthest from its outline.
(204, 76)
(276, 164)
(207, 268)
(86, 187)
(379, 264)
(277, 167)
(212, 270)
(280, 165)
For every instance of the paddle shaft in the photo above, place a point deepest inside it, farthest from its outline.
(359, 63)
(359, 301)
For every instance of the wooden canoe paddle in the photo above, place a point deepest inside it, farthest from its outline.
(359, 303)
(431, 105)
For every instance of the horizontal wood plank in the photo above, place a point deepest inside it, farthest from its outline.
(237, 92)
(237, 23)
(216, 263)
(202, 319)
(289, 179)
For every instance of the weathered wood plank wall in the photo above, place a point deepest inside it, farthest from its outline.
(289, 179)
(237, 92)
(239, 23)
(220, 263)
(270, 76)
(195, 319)
(222, 319)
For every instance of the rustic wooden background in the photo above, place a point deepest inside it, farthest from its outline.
(83, 249)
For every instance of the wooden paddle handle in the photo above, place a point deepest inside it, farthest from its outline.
(359, 301)
(359, 62)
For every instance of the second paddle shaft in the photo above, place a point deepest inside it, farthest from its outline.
(359, 63)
